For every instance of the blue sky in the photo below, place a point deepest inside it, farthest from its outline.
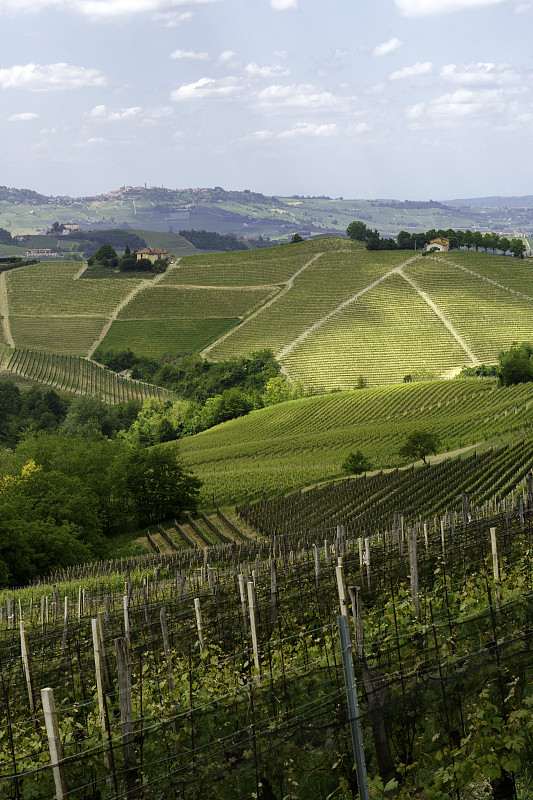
(410, 99)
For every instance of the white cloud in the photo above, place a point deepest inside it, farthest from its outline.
(480, 74)
(100, 9)
(415, 111)
(308, 129)
(96, 140)
(387, 47)
(465, 102)
(26, 116)
(361, 127)
(101, 112)
(268, 71)
(419, 8)
(204, 88)
(45, 78)
(191, 55)
(420, 68)
(173, 19)
(299, 96)
(284, 5)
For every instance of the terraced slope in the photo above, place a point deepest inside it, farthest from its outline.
(298, 443)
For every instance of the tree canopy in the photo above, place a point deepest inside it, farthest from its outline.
(419, 445)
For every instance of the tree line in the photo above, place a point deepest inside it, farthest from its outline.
(458, 239)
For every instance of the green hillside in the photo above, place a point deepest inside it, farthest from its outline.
(294, 444)
(332, 312)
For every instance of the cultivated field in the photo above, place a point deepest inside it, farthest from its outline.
(295, 444)
(331, 311)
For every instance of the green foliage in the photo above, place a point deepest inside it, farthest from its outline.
(516, 365)
(106, 256)
(420, 444)
(197, 379)
(279, 390)
(208, 240)
(356, 463)
(28, 410)
(82, 490)
(296, 238)
(5, 237)
(359, 231)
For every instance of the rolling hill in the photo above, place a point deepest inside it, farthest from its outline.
(334, 314)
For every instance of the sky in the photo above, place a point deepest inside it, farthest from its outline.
(405, 99)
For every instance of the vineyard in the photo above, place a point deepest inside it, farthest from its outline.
(331, 311)
(219, 672)
(287, 446)
(79, 376)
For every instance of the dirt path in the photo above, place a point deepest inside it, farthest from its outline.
(4, 311)
(445, 321)
(143, 284)
(341, 307)
(287, 287)
(80, 272)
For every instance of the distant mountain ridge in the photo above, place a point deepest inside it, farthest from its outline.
(495, 201)
(252, 215)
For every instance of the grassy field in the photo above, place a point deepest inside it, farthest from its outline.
(301, 442)
(156, 338)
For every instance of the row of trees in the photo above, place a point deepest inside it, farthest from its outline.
(358, 231)
(514, 366)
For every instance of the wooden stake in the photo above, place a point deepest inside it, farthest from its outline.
(126, 714)
(243, 602)
(27, 667)
(253, 624)
(413, 570)
(198, 613)
(125, 601)
(166, 647)
(494, 547)
(54, 743)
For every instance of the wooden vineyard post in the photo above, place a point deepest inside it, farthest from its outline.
(166, 647)
(494, 548)
(465, 509)
(273, 591)
(253, 624)
(126, 714)
(243, 602)
(360, 546)
(367, 559)
(198, 612)
(80, 602)
(413, 570)
(100, 682)
(54, 743)
(317, 565)
(357, 610)
(125, 601)
(442, 539)
(27, 667)
(341, 588)
(327, 552)
(65, 624)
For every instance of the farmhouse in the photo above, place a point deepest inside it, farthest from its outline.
(153, 254)
(440, 243)
(41, 251)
